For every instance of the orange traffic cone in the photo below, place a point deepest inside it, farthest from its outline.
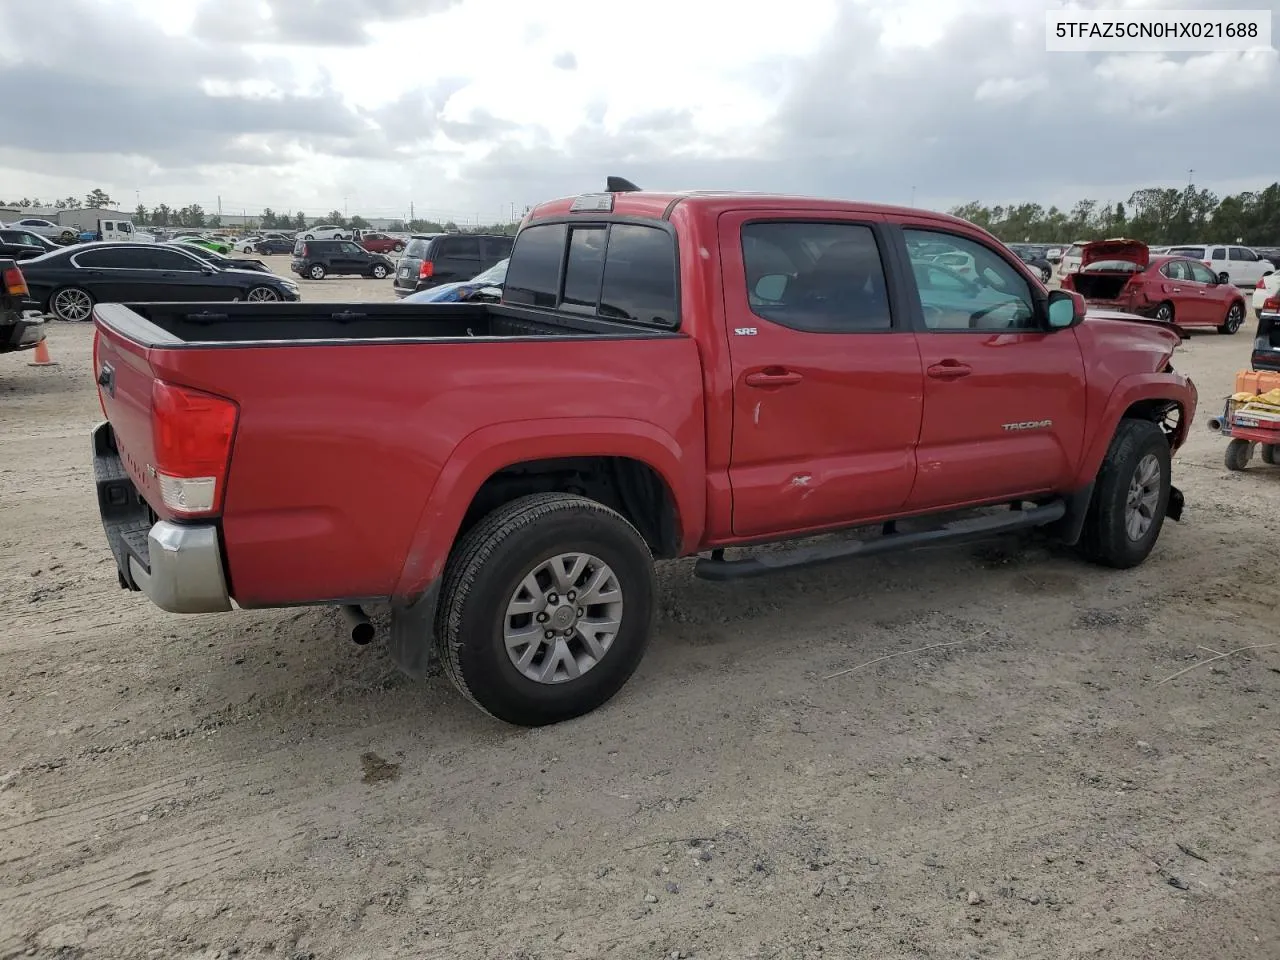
(42, 356)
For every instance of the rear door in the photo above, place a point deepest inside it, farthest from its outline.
(115, 274)
(1177, 285)
(1004, 399)
(455, 258)
(1246, 268)
(827, 379)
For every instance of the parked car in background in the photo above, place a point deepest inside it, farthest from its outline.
(21, 326)
(1035, 258)
(206, 243)
(47, 228)
(447, 258)
(221, 262)
(325, 231)
(485, 287)
(1069, 262)
(381, 243)
(1235, 264)
(1266, 288)
(21, 244)
(317, 259)
(1122, 275)
(269, 245)
(658, 381)
(69, 282)
(1053, 254)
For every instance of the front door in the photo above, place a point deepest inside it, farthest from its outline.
(1004, 399)
(1213, 299)
(350, 258)
(826, 374)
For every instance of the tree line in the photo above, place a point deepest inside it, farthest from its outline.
(1154, 215)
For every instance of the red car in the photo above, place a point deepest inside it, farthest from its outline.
(667, 375)
(1122, 275)
(381, 243)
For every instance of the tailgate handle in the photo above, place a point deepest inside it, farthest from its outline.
(107, 379)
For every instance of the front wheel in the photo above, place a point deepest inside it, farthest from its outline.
(1239, 453)
(545, 609)
(1235, 317)
(262, 295)
(309, 236)
(378, 271)
(1130, 497)
(1045, 274)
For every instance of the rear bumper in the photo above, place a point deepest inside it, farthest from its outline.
(177, 565)
(21, 334)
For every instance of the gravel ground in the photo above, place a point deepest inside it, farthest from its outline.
(253, 785)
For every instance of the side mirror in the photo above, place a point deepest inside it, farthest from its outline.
(1223, 277)
(208, 271)
(1065, 309)
(772, 287)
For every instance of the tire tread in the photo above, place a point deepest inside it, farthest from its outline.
(1097, 540)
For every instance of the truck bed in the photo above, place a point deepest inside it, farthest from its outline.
(172, 325)
(350, 415)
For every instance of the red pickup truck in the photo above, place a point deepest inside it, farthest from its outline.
(666, 375)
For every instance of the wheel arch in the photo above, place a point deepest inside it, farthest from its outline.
(630, 465)
(1154, 397)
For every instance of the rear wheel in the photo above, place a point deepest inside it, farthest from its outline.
(1269, 454)
(1046, 274)
(379, 271)
(1130, 497)
(1235, 317)
(545, 609)
(72, 304)
(1239, 453)
(1164, 312)
(317, 271)
(262, 295)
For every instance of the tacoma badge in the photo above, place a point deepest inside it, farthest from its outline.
(1028, 425)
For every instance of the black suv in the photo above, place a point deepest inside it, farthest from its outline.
(431, 260)
(316, 259)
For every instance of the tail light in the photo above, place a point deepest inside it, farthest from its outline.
(1066, 283)
(427, 270)
(97, 340)
(1261, 284)
(15, 282)
(1207, 263)
(306, 250)
(192, 432)
(1271, 304)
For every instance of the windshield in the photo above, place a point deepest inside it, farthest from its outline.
(494, 276)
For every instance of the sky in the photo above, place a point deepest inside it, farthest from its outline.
(470, 109)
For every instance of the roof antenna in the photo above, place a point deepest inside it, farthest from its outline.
(619, 185)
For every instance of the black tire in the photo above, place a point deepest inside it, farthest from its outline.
(317, 271)
(61, 300)
(1268, 453)
(1105, 539)
(379, 272)
(1239, 453)
(398, 248)
(1045, 275)
(483, 573)
(1235, 318)
(1164, 312)
(1224, 277)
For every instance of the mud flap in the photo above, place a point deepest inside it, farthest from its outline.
(1071, 526)
(412, 642)
(1174, 509)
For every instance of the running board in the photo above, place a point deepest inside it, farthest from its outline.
(970, 528)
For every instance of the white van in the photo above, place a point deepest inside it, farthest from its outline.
(1240, 265)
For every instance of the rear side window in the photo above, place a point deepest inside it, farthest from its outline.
(171, 260)
(497, 248)
(1176, 270)
(533, 276)
(1196, 253)
(459, 248)
(584, 269)
(816, 277)
(125, 259)
(1240, 253)
(639, 276)
(1073, 251)
(1218, 254)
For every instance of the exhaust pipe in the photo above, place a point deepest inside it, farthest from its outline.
(1215, 424)
(359, 625)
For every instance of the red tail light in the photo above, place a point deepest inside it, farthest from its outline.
(306, 250)
(1261, 285)
(427, 269)
(15, 282)
(192, 432)
(1271, 304)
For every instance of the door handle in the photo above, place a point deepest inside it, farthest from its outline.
(772, 377)
(949, 370)
(1176, 289)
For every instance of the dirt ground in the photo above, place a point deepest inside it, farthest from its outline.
(253, 785)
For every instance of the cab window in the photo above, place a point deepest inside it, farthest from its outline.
(969, 287)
